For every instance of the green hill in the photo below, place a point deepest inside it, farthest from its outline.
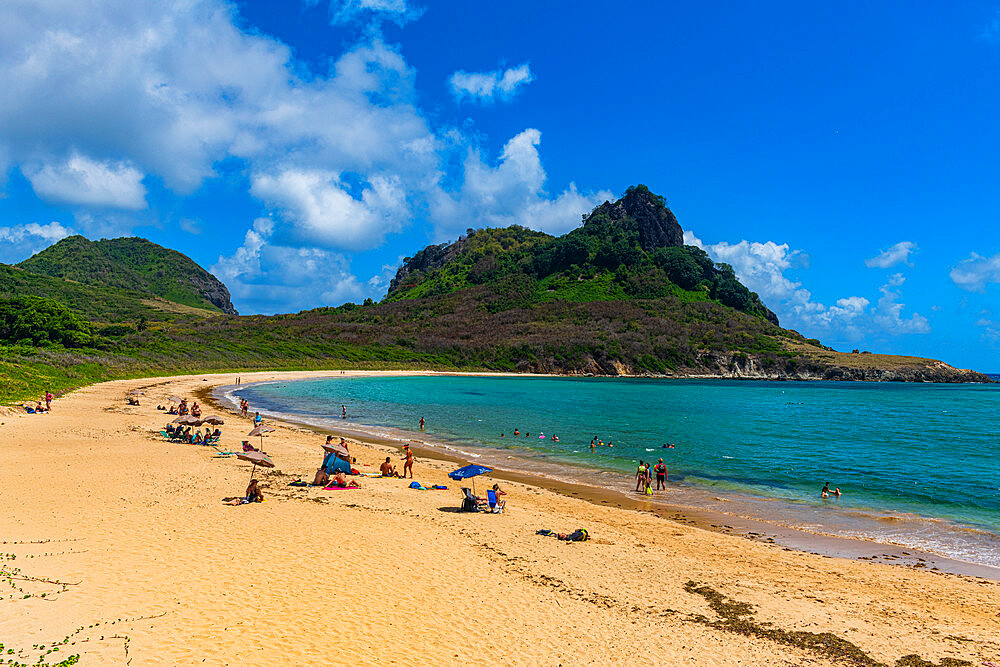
(132, 264)
(619, 295)
(626, 251)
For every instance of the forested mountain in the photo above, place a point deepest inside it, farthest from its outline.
(133, 264)
(621, 294)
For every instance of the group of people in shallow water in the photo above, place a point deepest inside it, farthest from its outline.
(826, 492)
(541, 436)
(644, 477)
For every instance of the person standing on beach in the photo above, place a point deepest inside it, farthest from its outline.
(343, 412)
(640, 475)
(422, 423)
(408, 464)
(48, 400)
(661, 475)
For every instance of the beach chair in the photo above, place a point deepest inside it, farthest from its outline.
(471, 503)
(495, 504)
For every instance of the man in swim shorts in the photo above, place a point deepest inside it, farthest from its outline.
(661, 474)
(387, 470)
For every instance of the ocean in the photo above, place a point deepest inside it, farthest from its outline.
(918, 464)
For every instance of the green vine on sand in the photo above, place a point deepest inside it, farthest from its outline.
(40, 654)
(736, 616)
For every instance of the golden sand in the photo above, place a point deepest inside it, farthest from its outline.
(157, 570)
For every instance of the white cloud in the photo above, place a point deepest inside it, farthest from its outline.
(321, 211)
(976, 271)
(763, 268)
(22, 241)
(511, 193)
(399, 12)
(898, 253)
(81, 180)
(489, 86)
(170, 88)
(888, 313)
(104, 98)
(266, 278)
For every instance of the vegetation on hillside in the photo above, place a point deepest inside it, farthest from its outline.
(604, 260)
(621, 294)
(132, 264)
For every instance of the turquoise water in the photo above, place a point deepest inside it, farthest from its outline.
(915, 451)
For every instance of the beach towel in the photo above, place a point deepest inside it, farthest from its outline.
(439, 487)
(339, 488)
(298, 482)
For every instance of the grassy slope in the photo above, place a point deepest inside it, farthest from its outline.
(97, 303)
(128, 263)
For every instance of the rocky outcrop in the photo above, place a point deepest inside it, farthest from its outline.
(430, 258)
(658, 228)
(214, 292)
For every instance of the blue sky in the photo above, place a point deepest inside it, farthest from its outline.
(842, 158)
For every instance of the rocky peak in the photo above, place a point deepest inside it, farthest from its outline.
(657, 225)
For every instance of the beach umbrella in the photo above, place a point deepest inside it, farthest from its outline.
(339, 450)
(213, 420)
(468, 471)
(187, 419)
(137, 392)
(260, 431)
(257, 459)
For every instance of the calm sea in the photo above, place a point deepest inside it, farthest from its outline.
(918, 464)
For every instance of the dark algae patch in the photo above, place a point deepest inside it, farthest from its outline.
(735, 616)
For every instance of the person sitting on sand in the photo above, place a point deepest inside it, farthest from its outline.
(322, 478)
(387, 468)
(498, 490)
(339, 479)
(196, 410)
(254, 494)
(257, 419)
(196, 440)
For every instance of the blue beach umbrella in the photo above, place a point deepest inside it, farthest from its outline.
(469, 471)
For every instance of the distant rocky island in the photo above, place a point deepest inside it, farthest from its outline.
(619, 295)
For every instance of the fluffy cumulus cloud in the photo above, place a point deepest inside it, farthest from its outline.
(21, 241)
(765, 268)
(898, 253)
(976, 272)
(265, 277)
(324, 213)
(80, 180)
(98, 95)
(489, 86)
(888, 314)
(110, 106)
(512, 192)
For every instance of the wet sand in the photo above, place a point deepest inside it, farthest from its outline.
(132, 527)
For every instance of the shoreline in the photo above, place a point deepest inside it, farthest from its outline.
(119, 549)
(755, 529)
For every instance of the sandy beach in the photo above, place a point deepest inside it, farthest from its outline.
(118, 543)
